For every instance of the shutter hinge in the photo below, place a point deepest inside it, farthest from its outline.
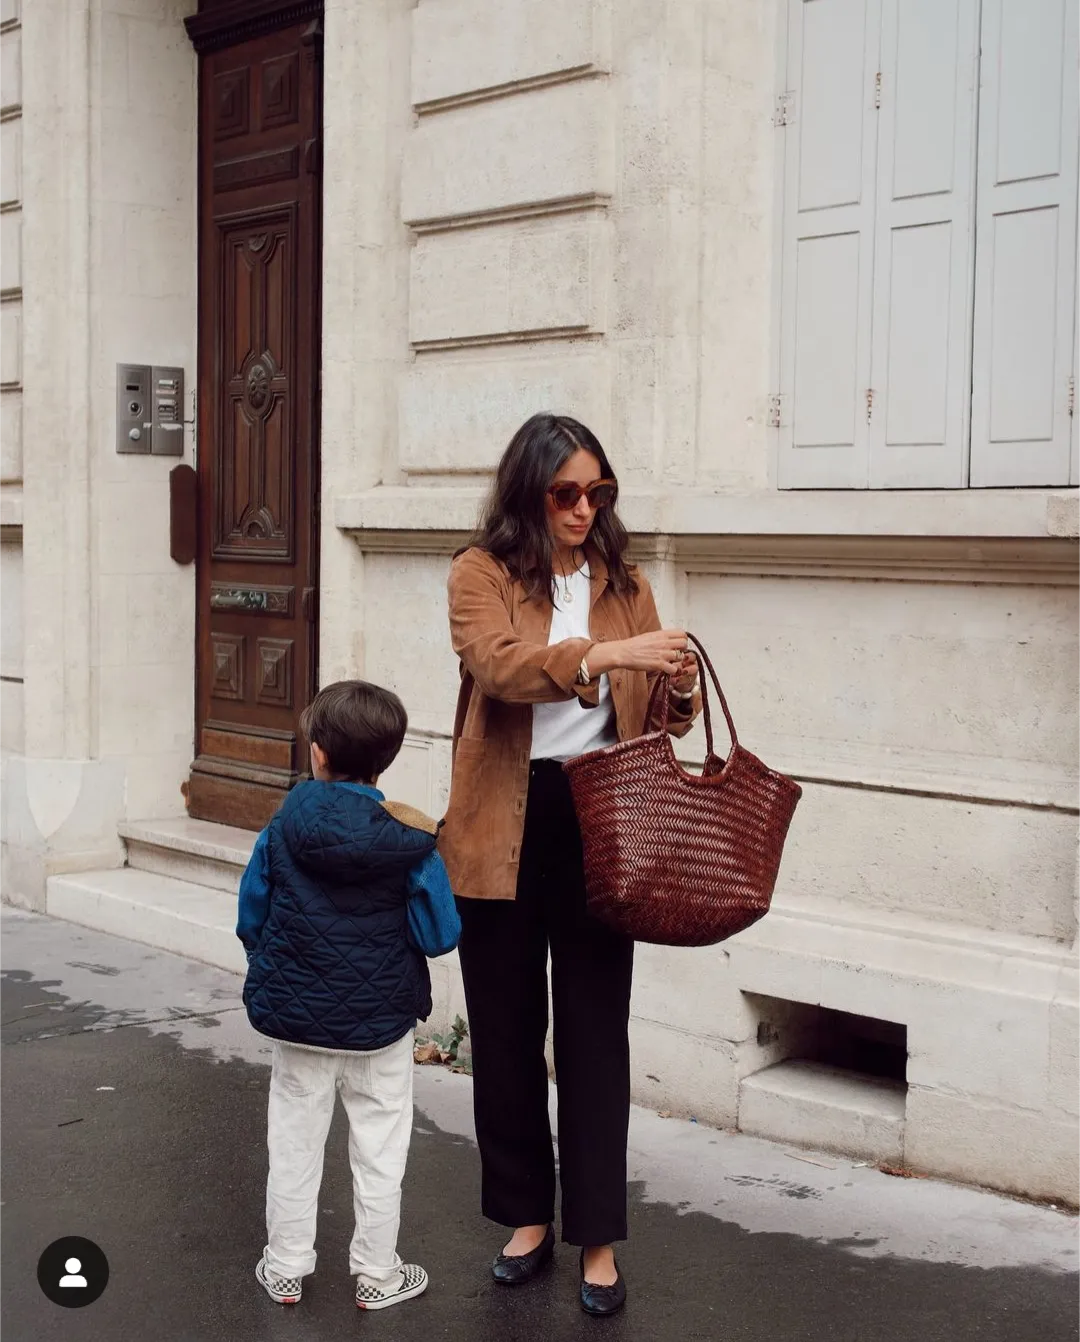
(869, 404)
(877, 89)
(776, 403)
(784, 115)
(1072, 395)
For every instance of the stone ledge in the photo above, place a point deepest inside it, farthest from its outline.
(886, 964)
(1002, 953)
(869, 768)
(189, 850)
(11, 508)
(1035, 561)
(812, 1105)
(199, 838)
(969, 514)
(1063, 514)
(174, 915)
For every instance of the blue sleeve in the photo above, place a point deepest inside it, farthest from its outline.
(434, 925)
(254, 898)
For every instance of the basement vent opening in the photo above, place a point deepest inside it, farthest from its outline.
(799, 1032)
(825, 1079)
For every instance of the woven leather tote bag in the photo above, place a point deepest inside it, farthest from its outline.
(675, 858)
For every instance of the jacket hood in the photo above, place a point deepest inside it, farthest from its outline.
(341, 835)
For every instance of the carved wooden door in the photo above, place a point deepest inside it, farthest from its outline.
(259, 285)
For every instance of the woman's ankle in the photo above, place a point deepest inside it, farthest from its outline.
(524, 1240)
(598, 1264)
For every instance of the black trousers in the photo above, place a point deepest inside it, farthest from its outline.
(504, 951)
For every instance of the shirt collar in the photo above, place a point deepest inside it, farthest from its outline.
(365, 789)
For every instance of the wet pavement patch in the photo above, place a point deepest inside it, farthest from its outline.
(165, 1171)
(784, 1187)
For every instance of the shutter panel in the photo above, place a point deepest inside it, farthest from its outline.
(1025, 254)
(827, 245)
(923, 253)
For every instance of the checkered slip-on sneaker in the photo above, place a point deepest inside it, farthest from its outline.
(285, 1290)
(414, 1281)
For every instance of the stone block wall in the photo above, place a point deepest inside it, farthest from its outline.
(11, 353)
(565, 206)
(585, 222)
(107, 186)
(143, 236)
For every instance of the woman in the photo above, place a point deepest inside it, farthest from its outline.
(560, 643)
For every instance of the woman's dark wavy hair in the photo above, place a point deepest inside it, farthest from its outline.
(513, 526)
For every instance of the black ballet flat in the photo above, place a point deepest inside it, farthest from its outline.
(517, 1269)
(602, 1299)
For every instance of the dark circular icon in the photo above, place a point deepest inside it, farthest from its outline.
(73, 1272)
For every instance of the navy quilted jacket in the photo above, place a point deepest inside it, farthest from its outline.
(332, 966)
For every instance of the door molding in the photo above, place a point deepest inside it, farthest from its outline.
(236, 21)
(256, 647)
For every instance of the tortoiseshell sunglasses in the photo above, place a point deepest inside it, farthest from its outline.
(601, 494)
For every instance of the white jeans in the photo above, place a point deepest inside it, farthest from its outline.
(376, 1090)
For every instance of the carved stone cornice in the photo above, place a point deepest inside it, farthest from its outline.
(1028, 560)
(972, 516)
(1032, 559)
(233, 21)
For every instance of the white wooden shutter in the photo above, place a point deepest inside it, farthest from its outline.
(1025, 253)
(923, 253)
(828, 242)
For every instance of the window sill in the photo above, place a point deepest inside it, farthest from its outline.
(447, 511)
(11, 508)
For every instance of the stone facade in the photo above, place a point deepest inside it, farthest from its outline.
(585, 219)
(11, 353)
(108, 269)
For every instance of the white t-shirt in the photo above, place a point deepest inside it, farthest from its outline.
(563, 730)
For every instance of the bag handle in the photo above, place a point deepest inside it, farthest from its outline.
(664, 682)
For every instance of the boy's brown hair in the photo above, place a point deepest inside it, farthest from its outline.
(358, 726)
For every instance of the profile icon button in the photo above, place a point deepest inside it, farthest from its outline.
(73, 1272)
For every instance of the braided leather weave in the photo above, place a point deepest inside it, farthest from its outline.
(675, 858)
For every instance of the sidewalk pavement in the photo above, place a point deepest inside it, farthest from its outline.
(134, 1099)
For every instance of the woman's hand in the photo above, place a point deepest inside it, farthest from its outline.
(686, 676)
(663, 650)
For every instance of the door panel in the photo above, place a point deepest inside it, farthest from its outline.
(260, 277)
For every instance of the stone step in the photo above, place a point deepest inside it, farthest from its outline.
(809, 1104)
(180, 916)
(198, 922)
(189, 850)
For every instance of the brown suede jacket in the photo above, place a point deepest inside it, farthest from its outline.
(501, 637)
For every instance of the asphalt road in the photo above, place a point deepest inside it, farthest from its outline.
(165, 1170)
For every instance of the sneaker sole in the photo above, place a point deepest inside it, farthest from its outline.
(410, 1294)
(276, 1296)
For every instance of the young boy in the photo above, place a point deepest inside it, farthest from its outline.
(338, 982)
